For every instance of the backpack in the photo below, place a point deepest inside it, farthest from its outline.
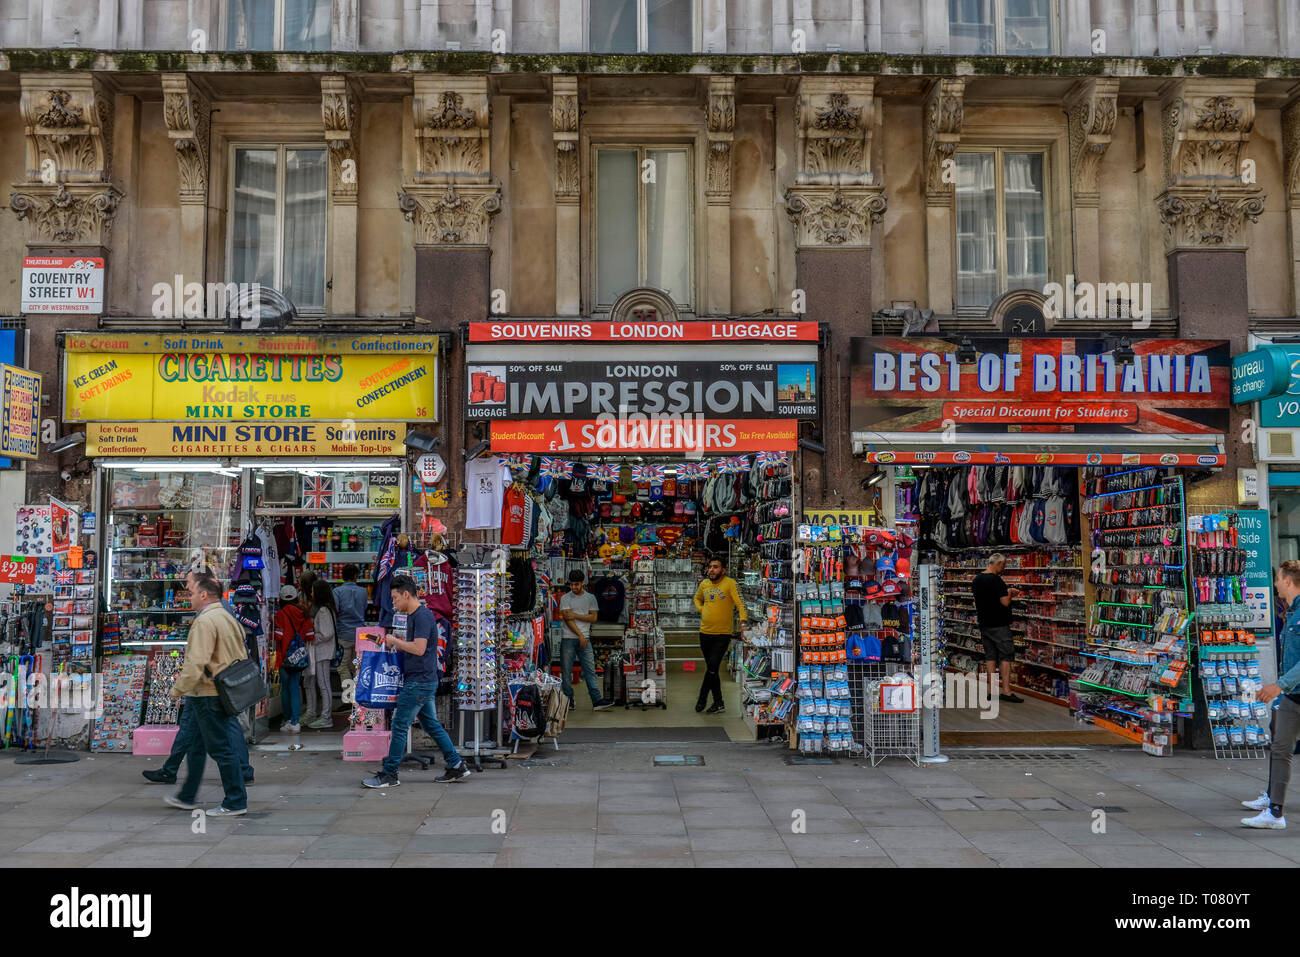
(530, 715)
(297, 657)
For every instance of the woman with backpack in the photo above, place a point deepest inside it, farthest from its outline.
(293, 640)
(324, 619)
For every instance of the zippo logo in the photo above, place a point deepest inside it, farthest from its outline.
(1169, 458)
(1094, 458)
(1207, 460)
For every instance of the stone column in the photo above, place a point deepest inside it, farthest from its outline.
(451, 197)
(833, 204)
(187, 113)
(943, 119)
(568, 193)
(1091, 109)
(341, 115)
(66, 203)
(721, 122)
(1291, 182)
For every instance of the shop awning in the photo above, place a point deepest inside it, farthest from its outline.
(928, 448)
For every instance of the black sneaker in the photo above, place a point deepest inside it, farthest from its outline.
(699, 706)
(381, 780)
(716, 708)
(453, 775)
(158, 777)
(1013, 698)
(604, 704)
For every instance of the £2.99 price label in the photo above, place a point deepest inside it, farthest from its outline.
(17, 570)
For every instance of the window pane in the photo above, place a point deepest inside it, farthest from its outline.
(977, 233)
(613, 26)
(252, 251)
(305, 185)
(668, 231)
(306, 24)
(616, 224)
(671, 26)
(250, 25)
(1028, 28)
(970, 26)
(1022, 183)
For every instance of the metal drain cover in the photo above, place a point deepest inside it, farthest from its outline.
(678, 760)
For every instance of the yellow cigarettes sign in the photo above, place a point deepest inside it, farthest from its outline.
(244, 438)
(339, 380)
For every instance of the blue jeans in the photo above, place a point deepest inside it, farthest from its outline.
(214, 730)
(568, 651)
(188, 733)
(291, 694)
(416, 701)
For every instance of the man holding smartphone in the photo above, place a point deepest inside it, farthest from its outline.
(993, 613)
(578, 611)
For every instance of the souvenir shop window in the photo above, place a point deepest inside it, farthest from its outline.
(163, 521)
(1002, 233)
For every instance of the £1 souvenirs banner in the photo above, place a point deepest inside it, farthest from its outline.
(1179, 386)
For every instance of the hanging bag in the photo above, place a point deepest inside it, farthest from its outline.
(379, 681)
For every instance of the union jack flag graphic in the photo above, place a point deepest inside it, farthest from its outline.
(688, 471)
(317, 492)
(602, 473)
(124, 493)
(771, 458)
(65, 576)
(647, 473)
(520, 460)
(556, 468)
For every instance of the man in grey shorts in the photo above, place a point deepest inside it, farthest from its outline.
(1286, 713)
(993, 613)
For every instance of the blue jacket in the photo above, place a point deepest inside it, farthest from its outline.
(1289, 667)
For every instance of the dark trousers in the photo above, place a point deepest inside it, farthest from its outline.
(185, 738)
(714, 648)
(214, 729)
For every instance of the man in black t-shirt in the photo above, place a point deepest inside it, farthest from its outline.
(993, 613)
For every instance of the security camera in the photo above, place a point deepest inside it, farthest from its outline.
(812, 446)
(68, 441)
(65, 475)
(422, 441)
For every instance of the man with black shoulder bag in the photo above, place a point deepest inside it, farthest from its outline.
(215, 643)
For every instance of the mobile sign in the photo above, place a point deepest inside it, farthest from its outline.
(63, 284)
(20, 402)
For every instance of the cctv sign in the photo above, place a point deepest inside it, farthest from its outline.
(63, 284)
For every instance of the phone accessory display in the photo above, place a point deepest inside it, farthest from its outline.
(122, 694)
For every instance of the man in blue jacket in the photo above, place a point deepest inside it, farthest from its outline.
(1286, 713)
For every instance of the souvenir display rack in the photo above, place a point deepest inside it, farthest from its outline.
(1138, 677)
(161, 708)
(482, 609)
(72, 634)
(676, 580)
(1226, 656)
(644, 645)
(123, 701)
(893, 706)
(1049, 632)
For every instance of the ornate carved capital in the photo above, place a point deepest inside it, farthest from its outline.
(452, 129)
(68, 123)
(1208, 218)
(943, 119)
(1206, 126)
(1092, 109)
(834, 124)
(564, 132)
(455, 215)
(1291, 153)
(188, 114)
(832, 216)
(341, 113)
(72, 214)
(721, 117)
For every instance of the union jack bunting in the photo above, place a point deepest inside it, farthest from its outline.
(771, 458)
(602, 473)
(556, 468)
(690, 471)
(317, 491)
(519, 460)
(647, 473)
(737, 464)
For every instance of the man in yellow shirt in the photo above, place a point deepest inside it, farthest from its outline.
(717, 600)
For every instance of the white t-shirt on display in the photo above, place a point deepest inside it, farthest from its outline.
(486, 481)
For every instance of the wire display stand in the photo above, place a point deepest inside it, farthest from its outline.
(481, 597)
(645, 641)
(893, 728)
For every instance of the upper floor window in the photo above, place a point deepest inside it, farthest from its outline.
(278, 24)
(644, 234)
(641, 26)
(278, 210)
(1000, 26)
(1001, 224)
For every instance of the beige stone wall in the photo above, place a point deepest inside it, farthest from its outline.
(12, 163)
(384, 279)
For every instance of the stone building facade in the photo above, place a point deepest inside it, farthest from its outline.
(434, 163)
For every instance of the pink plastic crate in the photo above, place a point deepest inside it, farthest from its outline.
(366, 745)
(153, 738)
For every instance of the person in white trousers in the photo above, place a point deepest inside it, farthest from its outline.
(325, 622)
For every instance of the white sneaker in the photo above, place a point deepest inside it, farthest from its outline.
(297, 729)
(1265, 819)
(1259, 804)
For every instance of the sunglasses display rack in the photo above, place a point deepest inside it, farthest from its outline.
(482, 606)
(1048, 623)
(123, 697)
(1138, 679)
(1226, 655)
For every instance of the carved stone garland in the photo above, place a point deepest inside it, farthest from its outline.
(722, 128)
(341, 115)
(944, 111)
(564, 132)
(187, 114)
(1091, 111)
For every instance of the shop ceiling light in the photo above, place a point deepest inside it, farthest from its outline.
(71, 440)
(185, 466)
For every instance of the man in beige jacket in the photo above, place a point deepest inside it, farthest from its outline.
(215, 640)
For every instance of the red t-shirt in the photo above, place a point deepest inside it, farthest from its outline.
(514, 510)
